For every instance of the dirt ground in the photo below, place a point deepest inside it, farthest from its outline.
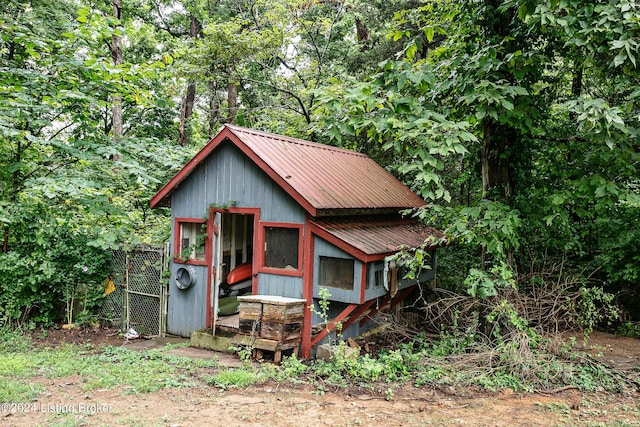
(65, 403)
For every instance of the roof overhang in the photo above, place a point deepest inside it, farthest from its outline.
(374, 239)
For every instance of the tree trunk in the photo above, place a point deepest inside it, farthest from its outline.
(498, 140)
(187, 101)
(214, 109)
(362, 34)
(576, 91)
(116, 55)
(185, 112)
(232, 102)
(496, 161)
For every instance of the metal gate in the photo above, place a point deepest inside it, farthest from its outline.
(139, 300)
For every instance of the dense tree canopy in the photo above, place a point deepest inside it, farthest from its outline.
(517, 121)
(522, 117)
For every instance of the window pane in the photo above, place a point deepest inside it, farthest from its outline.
(336, 272)
(192, 240)
(281, 247)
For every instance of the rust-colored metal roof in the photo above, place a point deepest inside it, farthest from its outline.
(378, 237)
(323, 179)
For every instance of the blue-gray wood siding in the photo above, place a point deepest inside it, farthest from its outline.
(187, 308)
(375, 290)
(284, 286)
(226, 176)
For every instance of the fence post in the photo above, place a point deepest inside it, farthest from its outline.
(126, 291)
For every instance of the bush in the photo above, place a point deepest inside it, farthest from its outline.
(48, 262)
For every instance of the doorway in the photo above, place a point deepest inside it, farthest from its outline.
(233, 263)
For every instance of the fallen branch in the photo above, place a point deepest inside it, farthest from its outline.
(557, 390)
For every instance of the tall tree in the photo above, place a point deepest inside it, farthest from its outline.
(189, 98)
(116, 54)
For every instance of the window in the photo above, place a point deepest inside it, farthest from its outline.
(336, 273)
(191, 241)
(377, 276)
(282, 247)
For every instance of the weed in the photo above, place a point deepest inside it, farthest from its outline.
(12, 340)
(323, 312)
(16, 391)
(563, 408)
(291, 369)
(234, 378)
(629, 329)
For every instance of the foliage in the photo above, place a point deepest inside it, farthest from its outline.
(629, 329)
(516, 121)
(522, 363)
(234, 378)
(530, 106)
(323, 311)
(392, 119)
(63, 200)
(36, 274)
(525, 362)
(595, 307)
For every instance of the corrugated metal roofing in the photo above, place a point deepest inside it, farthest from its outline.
(320, 177)
(329, 177)
(379, 237)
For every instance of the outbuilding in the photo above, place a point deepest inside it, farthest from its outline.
(292, 217)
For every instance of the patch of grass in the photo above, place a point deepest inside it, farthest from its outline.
(560, 407)
(142, 372)
(520, 365)
(13, 340)
(136, 372)
(234, 378)
(17, 391)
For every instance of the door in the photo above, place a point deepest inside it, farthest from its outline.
(217, 268)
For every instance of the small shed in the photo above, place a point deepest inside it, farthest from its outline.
(297, 217)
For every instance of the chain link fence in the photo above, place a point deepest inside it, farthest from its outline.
(139, 300)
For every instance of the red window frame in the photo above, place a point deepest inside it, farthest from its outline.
(263, 235)
(177, 240)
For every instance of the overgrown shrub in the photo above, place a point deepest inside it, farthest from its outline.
(50, 262)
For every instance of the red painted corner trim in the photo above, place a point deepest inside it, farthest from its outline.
(363, 282)
(211, 231)
(307, 293)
